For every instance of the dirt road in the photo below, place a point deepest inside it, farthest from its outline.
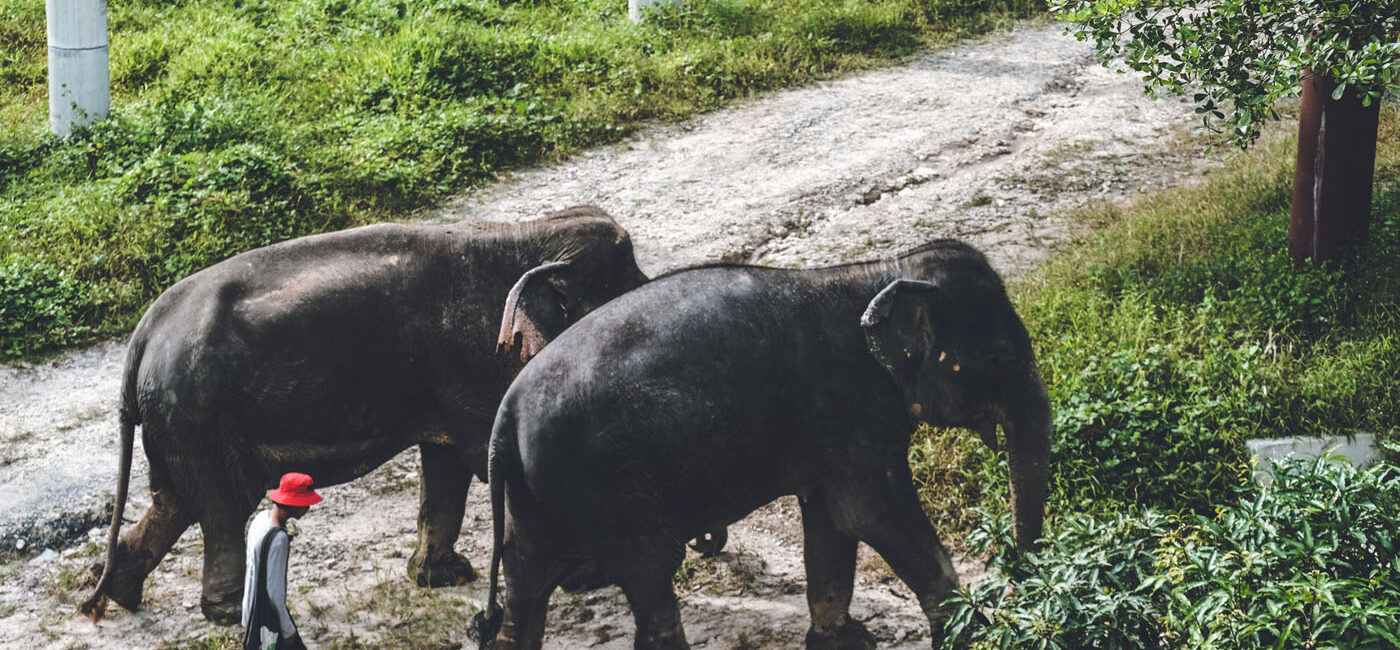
(993, 141)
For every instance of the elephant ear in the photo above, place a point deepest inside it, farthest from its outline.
(535, 311)
(898, 325)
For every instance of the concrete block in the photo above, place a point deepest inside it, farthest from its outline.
(1361, 450)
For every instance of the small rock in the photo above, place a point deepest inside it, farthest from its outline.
(190, 604)
(872, 195)
(20, 544)
(49, 555)
(367, 567)
(923, 174)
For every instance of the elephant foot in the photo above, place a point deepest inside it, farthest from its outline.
(587, 577)
(448, 570)
(484, 627)
(851, 636)
(125, 587)
(710, 544)
(225, 611)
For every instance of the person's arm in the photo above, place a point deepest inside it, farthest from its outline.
(277, 583)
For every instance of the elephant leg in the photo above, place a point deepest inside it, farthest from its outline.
(587, 577)
(531, 567)
(224, 550)
(142, 547)
(653, 601)
(442, 502)
(830, 558)
(883, 511)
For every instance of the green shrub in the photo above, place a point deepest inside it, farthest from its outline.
(1313, 561)
(38, 305)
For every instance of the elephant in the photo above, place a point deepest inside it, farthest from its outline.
(330, 354)
(693, 400)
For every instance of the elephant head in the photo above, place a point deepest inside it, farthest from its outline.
(962, 358)
(591, 264)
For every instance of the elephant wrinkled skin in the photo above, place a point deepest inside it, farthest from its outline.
(329, 355)
(697, 398)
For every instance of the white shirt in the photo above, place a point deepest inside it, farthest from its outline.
(276, 571)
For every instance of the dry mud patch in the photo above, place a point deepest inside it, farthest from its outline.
(994, 141)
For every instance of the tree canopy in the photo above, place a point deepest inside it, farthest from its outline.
(1237, 58)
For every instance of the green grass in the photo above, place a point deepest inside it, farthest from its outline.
(1181, 328)
(238, 123)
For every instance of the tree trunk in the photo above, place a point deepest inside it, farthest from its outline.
(1336, 166)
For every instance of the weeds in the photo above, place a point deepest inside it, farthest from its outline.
(228, 638)
(950, 468)
(407, 616)
(1311, 561)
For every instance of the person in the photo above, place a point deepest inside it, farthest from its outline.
(266, 620)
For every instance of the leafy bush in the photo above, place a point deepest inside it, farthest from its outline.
(38, 301)
(1239, 59)
(1312, 561)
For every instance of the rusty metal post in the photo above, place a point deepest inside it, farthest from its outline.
(1336, 166)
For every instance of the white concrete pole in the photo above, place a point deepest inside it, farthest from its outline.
(635, 8)
(79, 79)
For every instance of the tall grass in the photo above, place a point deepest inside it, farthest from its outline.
(242, 122)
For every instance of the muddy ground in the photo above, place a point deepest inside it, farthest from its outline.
(994, 141)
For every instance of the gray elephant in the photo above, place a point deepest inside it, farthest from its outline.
(330, 354)
(693, 400)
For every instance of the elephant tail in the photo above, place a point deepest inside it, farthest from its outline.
(96, 604)
(487, 623)
(95, 607)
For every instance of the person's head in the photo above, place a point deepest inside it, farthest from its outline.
(294, 495)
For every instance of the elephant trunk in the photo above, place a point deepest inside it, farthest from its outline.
(1028, 432)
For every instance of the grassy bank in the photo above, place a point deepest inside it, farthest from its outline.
(1180, 328)
(1177, 330)
(242, 122)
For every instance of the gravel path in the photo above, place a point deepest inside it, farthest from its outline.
(992, 141)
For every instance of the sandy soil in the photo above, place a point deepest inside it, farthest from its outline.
(994, 141)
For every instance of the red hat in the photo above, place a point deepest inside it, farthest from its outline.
(295, 490)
